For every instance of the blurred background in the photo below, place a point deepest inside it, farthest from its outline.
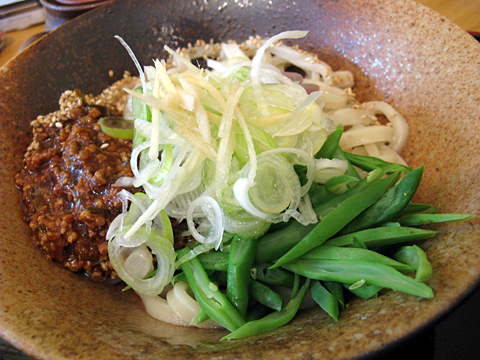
(23, 21)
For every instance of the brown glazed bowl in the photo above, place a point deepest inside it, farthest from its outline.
(398, 50)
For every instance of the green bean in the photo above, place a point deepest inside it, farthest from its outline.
(211, 300)
(242, 254)
(340, 184)
(274, 244)
(369, 163)
(326, 300)
(273, 320)
(336, 289)
(382, 236)
(277, 276)
(417, 259)
(330, 149)
(257, 312)
(200, 317)
(217, 260)
(432, 210)
(219, 277)
(330, 145)
(340, 154)
(350, 272)
(337, 219)
(389, 205)
(364, 291)
(414, 208)
(318, 193)
(359, 244)
(296, 284)
(325, 252)
(266, 296)
(422, 219)
(360, 186)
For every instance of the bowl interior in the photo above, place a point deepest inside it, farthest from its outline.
(400, 52)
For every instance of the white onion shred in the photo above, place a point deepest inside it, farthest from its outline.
(221, 151)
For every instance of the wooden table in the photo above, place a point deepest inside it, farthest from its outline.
(465, 13)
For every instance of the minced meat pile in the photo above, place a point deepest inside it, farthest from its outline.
(68, 192)
(67, 184)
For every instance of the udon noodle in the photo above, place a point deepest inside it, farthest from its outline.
(373, 128)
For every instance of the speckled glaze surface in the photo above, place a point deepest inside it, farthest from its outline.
(398, 50)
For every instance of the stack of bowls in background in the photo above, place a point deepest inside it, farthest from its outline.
(61, 11)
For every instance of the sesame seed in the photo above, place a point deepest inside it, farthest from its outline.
(104, 146)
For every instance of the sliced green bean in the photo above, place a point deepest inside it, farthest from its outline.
(242, 254)
(296, 284)
(382, 236)
(350, 272)
(369, 163)
(273, 320)
(389, 205)
(359, 187)
(340, 154)
(365, 291)
(277, 276)
(325, 252)
(325, 299)
(210, 298)
(337, 219)
(415, 208)
(330, 145)
(265, 295)
(216, 260)
(257, 312)
(340, 184)
(336, 289)
(417, 259)
(200, 317)
(357, 243)
(219, 277)
(273, 245)
(422, 219)
(318, 194)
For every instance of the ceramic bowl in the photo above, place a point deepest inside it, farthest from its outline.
(400, 51)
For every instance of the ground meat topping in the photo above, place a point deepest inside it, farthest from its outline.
(68, 192)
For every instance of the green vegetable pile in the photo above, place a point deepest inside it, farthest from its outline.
(280, 213)
(345, 251)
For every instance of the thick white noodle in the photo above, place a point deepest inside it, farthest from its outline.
(366, 135)
(399, 124)
(190, 136)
